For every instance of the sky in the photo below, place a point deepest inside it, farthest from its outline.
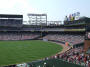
(56, 10)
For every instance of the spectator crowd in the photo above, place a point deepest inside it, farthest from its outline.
(17, 36)
(72, 39)
(76, 56)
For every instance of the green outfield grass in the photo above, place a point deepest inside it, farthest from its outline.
(14, 52)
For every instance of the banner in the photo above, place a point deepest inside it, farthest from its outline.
(72, 17)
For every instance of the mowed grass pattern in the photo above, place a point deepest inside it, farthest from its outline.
(14, 52)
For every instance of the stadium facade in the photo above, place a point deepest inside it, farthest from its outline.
(10, 24)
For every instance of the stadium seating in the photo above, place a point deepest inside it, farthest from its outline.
(72, 39)
(76, 56)
(17, 36)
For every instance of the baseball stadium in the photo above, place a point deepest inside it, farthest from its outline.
(44, 43)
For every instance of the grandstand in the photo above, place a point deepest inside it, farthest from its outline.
(72, 32)
(11, 20)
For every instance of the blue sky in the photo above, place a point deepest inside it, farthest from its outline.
(55, 9)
